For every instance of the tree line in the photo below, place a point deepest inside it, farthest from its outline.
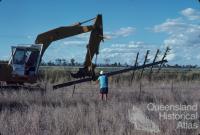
(107, 63)
(73, 62)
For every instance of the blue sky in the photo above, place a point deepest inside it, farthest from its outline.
(130, 25)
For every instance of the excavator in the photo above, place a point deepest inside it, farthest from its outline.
(22, 68)
(25, 60)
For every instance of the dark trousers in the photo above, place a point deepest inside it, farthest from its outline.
(104, 90)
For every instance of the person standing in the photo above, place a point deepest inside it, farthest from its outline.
(103, 84)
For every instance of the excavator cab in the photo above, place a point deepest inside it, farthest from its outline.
(25, 60)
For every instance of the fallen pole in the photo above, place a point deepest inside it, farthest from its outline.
(108, 74)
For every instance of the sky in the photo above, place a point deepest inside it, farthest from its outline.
(130, 26)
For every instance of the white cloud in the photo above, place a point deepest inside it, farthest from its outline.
(170, 56)
(184, 37)
(188, 36)
(118, 45)
(191, 13)
(171, 26)
(122, 32)
(68, 48)
(126, 52)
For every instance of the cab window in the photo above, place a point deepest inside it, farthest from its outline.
(19, 57)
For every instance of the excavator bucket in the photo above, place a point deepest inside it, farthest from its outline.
(84, 72)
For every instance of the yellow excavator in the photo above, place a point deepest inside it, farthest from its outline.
(25, 60)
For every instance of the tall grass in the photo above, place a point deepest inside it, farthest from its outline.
(59, 113)
(62, 74)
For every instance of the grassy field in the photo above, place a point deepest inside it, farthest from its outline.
(63, 112)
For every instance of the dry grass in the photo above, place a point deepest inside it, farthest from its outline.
(58, 112)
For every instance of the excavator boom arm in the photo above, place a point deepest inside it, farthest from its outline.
(59, 33)
(96, 37)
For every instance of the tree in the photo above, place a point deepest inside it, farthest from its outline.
(115, 64)
(107, 61)
(50, 63)
(64, 62)
(43, 63)
(119, 64)
(72, 62)
(58, 61)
